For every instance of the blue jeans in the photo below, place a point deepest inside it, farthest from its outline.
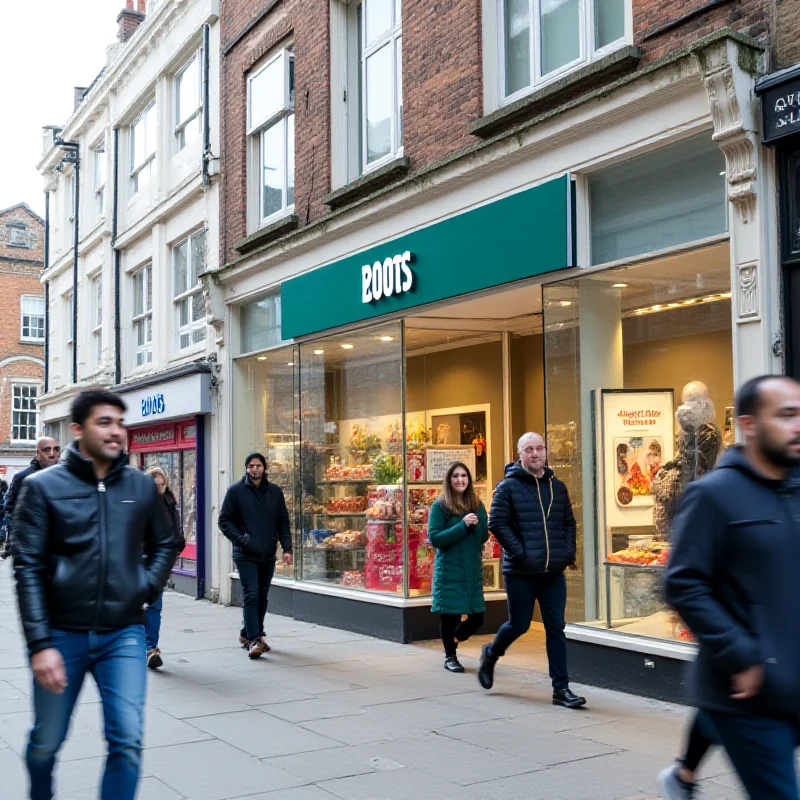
(152, 625)
(116, 660)
(762, 751)
(522, 592)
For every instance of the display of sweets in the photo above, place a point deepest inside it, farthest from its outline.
(346, 505)
(353, 579)
(345, 540)
(339, 472)
(385, 502)
(415, 461)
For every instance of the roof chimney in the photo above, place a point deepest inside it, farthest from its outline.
(129, 20)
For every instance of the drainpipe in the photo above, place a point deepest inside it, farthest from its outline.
(46, 293)
(114, 224)
(206, 110)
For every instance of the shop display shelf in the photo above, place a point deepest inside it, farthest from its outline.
(339, 515)
(348, 482)
(388, 520)
(317, 549)
(625, 565)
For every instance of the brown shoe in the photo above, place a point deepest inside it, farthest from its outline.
(154, 660)
(267, 648)
(256, 649)
(243, 642)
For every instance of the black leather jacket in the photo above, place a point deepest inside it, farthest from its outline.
(78, 548)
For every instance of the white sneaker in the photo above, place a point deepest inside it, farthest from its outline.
(673, 788)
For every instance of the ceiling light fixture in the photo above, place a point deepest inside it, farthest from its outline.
(387, 338)
(347, 347)
(290, 364)
(620, 286)
(262, 358)
(318, 352)
(711, 298)
(566, 303)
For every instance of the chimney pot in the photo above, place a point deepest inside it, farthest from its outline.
(129, 20)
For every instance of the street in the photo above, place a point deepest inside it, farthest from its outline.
(330, 714)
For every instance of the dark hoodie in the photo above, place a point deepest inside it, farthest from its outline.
(734, 577)
(532, 519)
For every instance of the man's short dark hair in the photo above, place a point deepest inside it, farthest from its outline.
(748, 398)
(85, 402)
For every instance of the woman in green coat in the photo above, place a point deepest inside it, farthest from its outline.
(457, 528)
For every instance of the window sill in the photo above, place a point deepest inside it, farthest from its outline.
(35, 342)
(188, 352)
(368, 183)
(266, 234)
(622, 60)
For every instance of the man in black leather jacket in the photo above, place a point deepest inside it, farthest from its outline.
(531, 517)
(81, 528)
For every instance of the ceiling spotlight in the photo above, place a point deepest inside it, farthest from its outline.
(290, 364)
(566, 303)
(318, 352)
(620, 286)
(262, 358)
(347, 347)
(387, 338)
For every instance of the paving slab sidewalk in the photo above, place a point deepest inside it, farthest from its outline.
(330, 714)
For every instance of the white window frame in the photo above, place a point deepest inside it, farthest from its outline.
(18, 237)
(495, 57)
(256, 129)
(36, 387)
(182, 294)
(145, 350)
(96, 285)
(28, 313)
(181, 124)
(69, 300)
(99, 177)
(137, 170)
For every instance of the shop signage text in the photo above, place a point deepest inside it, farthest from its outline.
(392, 276)
(153, 437)
(640, 418)
(780, 107)
(153, 405)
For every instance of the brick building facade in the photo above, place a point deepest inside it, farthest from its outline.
(21, 335)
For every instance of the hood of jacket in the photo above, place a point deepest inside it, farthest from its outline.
(83, 468)
(516, 470)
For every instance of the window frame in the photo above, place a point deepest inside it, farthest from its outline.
(96, 284)
(588, 51)
(99, 171)
(36, 387)
(256, 133)
(178, 298)
(31, 339)
(181, 125)
(150, 156)
(18, 237)
(69, 303)
(145, 350)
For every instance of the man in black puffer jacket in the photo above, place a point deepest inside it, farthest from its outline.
(80, 530)
(532, 518)
(254, 517)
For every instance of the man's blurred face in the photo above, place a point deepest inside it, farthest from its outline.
(102, 436)
(774, 429)
(255, 469)
(533, 453)
(48, 452)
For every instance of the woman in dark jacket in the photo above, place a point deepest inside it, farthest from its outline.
(458, 528)
(152, 627)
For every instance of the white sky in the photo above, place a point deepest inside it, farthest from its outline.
(47, 47)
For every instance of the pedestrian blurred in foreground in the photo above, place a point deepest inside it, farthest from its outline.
(152, 627)
(254, 517)
(531, 517)
(48, 452)
(80, 530)
(733, 578)
(457, 528)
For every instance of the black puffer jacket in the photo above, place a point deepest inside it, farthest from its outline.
(175, 518)
(78, 548)
(533, 523)
(13, 493)
(254, 518)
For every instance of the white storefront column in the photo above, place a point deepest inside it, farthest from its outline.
(728, 69)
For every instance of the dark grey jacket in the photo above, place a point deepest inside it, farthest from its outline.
(734, 577)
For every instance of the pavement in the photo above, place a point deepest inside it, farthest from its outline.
(330, 714)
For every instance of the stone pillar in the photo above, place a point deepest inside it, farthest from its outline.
(728, 69)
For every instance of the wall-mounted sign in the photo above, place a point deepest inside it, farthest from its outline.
(439, 459)
(780, 104)
(153, 405)
(389, 277)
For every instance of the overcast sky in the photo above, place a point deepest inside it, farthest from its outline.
(47, 47)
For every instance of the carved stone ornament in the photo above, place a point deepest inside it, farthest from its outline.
(747, 291)
(736, 137)
(215, 307)
(50, 181)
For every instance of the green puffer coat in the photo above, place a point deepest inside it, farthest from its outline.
(458, 571)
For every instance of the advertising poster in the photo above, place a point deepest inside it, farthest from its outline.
(439, 459)
(637, 440)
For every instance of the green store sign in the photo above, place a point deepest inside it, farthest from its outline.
(526, 234)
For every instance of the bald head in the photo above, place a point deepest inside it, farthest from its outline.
(532, 452)
(47, 451)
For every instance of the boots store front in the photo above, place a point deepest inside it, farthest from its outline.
(597, 307)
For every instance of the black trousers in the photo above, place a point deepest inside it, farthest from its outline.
(453, 630)
(700, 740)
(523, 591)
(256, 578)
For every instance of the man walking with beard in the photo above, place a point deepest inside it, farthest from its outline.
(734, 577)
(48, 452)
(80, 529)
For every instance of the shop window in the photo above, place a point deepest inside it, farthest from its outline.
(142, 285)
(540, 40)
(24, 413)
(270, 130)
(351, 460)
(99, 178)
(188, 261)
(639, 384)
(32, 318)
(143, 137)
(260, 323)
(669, 197)
(188, 103)
(97, 321)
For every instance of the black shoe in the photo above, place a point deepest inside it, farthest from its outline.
(486, 668)
(564, 697)
(452, 664)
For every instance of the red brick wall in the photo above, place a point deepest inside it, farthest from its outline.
(787, 33)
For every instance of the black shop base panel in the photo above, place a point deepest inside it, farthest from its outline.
(657, 677)
(397, 624)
